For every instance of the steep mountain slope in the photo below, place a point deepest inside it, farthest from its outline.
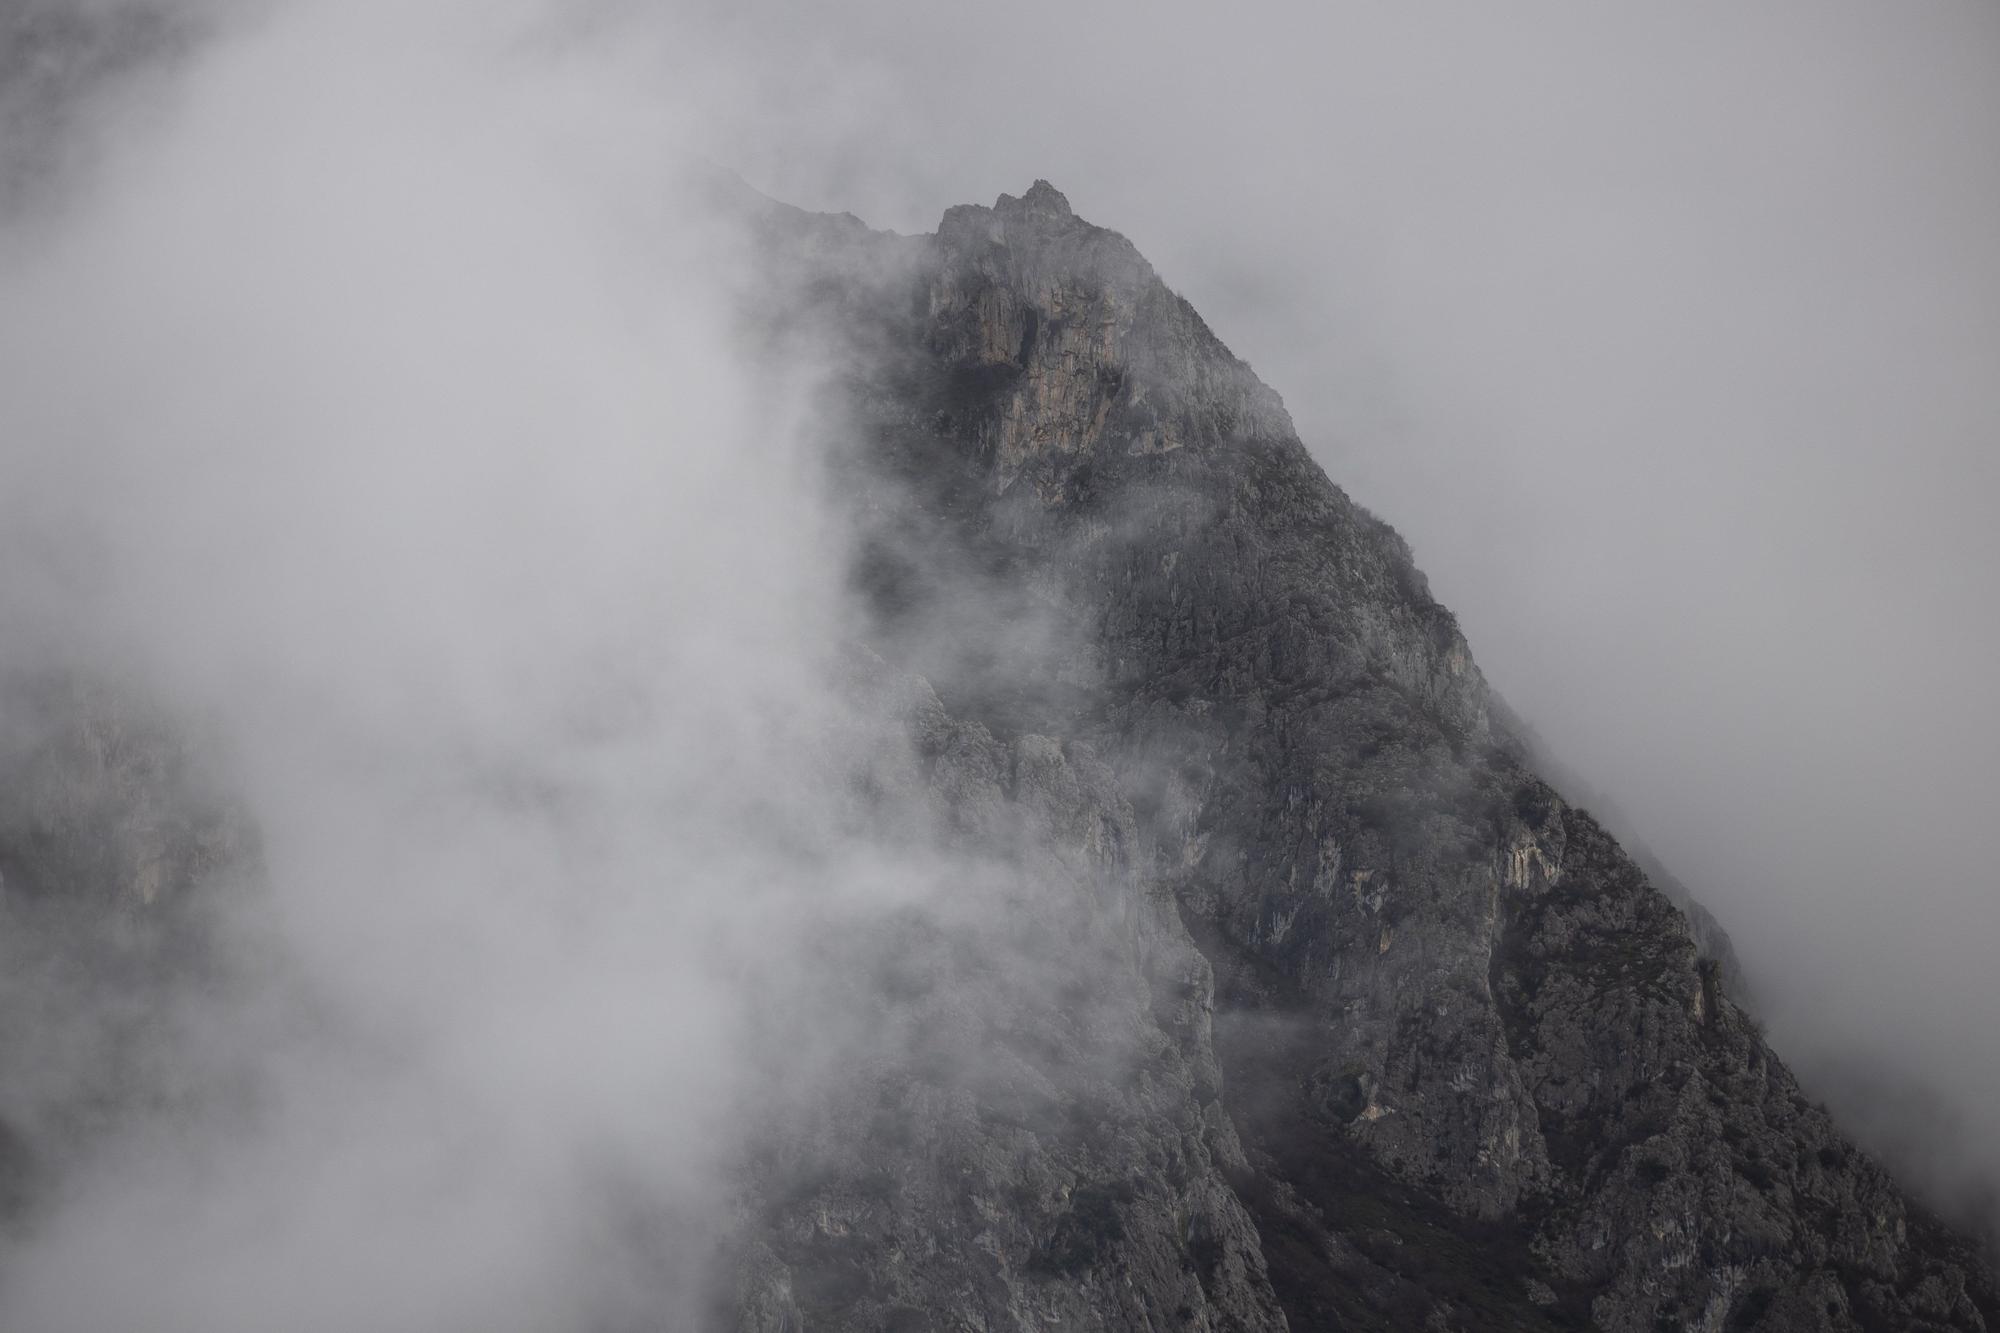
(1279, 990)
(1483, 1074)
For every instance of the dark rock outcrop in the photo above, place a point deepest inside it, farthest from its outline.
(1484, 1074)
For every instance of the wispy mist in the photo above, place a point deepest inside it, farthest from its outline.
(379, 410)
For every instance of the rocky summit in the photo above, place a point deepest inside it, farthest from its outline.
(1304, 1001)
(1419, 1045)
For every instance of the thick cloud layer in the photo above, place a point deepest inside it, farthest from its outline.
(376, 407)
(1665, 334)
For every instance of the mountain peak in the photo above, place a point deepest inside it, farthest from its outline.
(1280, 991)
(1041, 200)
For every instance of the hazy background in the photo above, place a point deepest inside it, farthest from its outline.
(1668, 334)
(375, 408)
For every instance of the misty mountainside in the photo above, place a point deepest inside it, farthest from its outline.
(1260, 981)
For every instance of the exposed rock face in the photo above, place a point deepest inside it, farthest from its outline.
(1296, 998)
(109, 837)
(1040, 1141)
(1481, 1071)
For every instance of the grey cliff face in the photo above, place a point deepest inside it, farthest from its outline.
(1482, 1072)
(1297, 997)
(1046, 1145)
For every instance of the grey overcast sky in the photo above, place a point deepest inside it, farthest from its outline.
(1670, 336)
